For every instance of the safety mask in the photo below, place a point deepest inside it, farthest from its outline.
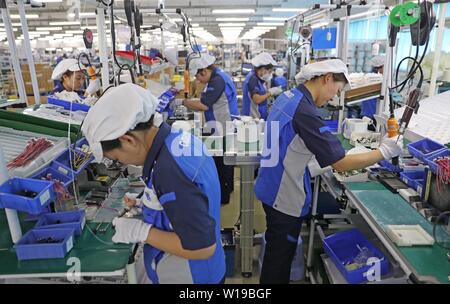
(267, 77)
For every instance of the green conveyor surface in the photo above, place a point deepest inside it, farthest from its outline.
(388, 208)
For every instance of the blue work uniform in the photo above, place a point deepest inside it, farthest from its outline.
(284, 186)
(253, 85)
(369, 108)
(221, 98)
(59, 88)
(182, 195)
(279, 81)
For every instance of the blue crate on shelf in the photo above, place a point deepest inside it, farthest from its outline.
(430, 159)
(55, 174)
(62, 162)
(70, 219)
(66, 104)
(424, 148)
(413, 178)
(343, 247)
(10, 195)
(29, 248)
(389, 166)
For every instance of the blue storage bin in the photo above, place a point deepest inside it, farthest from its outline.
(332, 124)
(229, 248)
(62, 162)
(70, 219)
(28, 247)
(424, 148)
(66, 104)
(342, 248)
(430, 159)
(411, 178)
(389, 166)
(64, 179)
(10, 197)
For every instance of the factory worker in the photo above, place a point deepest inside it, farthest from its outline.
(181, 201)
(219, 102)
(255, 94)
(70, 76)
(279, 80)
(283, 185)
(369, 107)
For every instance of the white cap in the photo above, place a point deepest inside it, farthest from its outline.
(64, 66)
(320, 68)
(378, 61)
(118, 111)
(279, 72)
(171, 55)
(199, 62)
(263, 58)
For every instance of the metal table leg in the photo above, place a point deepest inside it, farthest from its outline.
(312, 229)
(247, 217)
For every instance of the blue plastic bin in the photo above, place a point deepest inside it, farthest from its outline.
(66, 104)
(28, 247)
(62, 162)
(342, 248)
(229, 248)
(64, 179)
(70, 219)
(424, 148)
(332, 124)
(411, 178)
(44, 190)
(389, 166)
(430, 159)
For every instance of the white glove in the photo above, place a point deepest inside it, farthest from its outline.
(275, 91)
(131, 200)
(130, 230)
(93, 87)
(391, 147)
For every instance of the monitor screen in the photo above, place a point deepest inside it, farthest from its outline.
(324, 38)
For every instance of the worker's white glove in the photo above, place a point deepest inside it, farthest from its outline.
(391, 147)
(275, 91)
(175, 103)
(93, 87)
(130, 230)
(133, 204)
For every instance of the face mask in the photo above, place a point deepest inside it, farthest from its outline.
(267, 77)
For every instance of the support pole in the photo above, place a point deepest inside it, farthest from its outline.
(102, 46)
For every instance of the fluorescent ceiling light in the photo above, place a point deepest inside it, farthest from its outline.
(71, 15)
(265, 27)
(39, 33)
(233, 11)
(55, 28)
(74, 32)
(87, 15)
(27, 16)
(65, 23)
(271, 23)
(4, 30)
(320, 24)
(231, 19)
(50, 1)
(275, 18)
(289, 10)
(231, 24)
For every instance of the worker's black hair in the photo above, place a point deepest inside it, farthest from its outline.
(267, 66)
(67, 73)
(108, 145)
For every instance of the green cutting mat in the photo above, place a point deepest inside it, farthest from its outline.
(344, 142)
(388, 208)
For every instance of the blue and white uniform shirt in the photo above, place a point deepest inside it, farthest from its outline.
(285, 185)
(253, 85)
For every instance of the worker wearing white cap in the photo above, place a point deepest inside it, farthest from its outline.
(284, 186)
(181, 201)
(377, 63)
(279, 80)
(70, 76)
(369, 107)
(219, 102)
(255, 94)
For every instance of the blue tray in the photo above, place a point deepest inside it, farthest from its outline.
(44, 190)
(29, 249)
(62, 162)
(70, 219)
(66, 104)
(342, 248)
(64, 179)
(430, 159)
(411, 178)
(424, 148)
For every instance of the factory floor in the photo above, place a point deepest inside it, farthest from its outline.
(229, 216)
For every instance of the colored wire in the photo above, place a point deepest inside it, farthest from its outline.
(34, 148)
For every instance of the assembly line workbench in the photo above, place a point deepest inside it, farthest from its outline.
(93, 255)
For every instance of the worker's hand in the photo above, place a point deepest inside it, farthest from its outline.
(130, 230)
(93, 87)
(275, 91)
(131, 200)
(391, 147)
(175, 103)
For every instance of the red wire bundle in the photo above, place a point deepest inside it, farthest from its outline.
(443, 172)
(33, 149)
